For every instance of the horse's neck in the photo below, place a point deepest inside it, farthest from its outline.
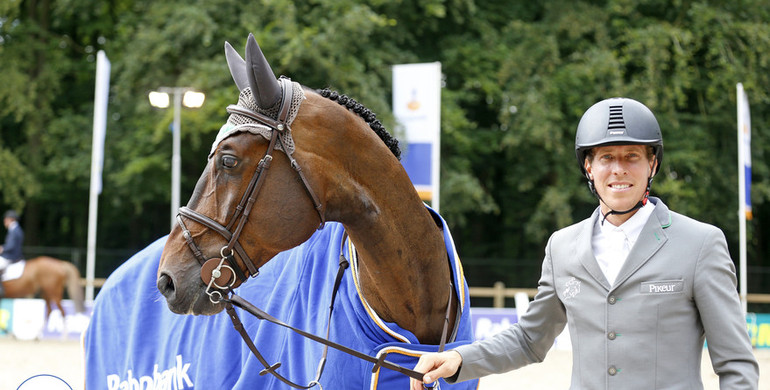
(403, 266)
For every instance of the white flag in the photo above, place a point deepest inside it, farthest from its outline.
(100, 119)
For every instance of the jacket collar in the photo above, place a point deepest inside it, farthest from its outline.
(650, 240)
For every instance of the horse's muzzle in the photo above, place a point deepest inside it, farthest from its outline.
(186, 299)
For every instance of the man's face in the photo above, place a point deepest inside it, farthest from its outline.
(620, 174)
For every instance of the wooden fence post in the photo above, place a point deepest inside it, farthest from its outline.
(499, 295)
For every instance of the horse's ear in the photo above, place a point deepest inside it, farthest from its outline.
(264, 86)
(237, 67)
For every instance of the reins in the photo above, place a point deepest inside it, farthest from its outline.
(236, 301)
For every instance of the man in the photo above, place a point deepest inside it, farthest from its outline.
(10, 251)
(640, 286)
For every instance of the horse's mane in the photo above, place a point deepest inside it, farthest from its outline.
(368, 116)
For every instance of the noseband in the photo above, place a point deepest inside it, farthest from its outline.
(214, 272)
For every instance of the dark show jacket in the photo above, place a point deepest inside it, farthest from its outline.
(12, 246)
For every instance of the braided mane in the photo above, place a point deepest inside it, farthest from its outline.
(368, 116)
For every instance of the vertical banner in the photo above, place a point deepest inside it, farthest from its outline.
(417, 108)
(744, 132)
(744, 184)
(101, 94)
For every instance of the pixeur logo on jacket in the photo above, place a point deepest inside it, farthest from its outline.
(175, 378)
(662, 287)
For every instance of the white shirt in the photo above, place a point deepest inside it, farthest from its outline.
(611, 244)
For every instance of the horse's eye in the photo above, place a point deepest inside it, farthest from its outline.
(229, 161)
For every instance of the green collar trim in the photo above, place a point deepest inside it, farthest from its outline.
(669, 221)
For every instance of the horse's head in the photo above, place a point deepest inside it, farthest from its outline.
(253, 199)
(288, 159)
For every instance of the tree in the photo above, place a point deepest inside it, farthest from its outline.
(517, 79)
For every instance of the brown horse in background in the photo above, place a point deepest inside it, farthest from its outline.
(48, 277)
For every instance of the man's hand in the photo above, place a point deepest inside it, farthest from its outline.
(436, 365)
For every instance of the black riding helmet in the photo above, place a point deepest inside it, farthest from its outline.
(618, 121)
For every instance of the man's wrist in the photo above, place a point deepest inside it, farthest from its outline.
(453, 377)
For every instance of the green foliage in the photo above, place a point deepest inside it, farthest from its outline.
(16, 181)
(518, 76)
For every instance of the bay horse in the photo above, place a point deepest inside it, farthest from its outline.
(335, 162)
(48, 277)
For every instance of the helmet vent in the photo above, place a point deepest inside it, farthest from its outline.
(616, 125)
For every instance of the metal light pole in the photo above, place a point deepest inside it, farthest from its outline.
(191, 99)
(176, 159)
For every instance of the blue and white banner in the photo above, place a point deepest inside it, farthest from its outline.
(744, 188)
(744, 134)
(417, 108)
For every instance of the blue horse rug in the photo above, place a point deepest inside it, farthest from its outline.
(135, 342)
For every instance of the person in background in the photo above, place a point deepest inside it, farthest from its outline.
(10, 251)
(641, 287)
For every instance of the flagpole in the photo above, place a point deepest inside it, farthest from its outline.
(742, 154)
(97, 158)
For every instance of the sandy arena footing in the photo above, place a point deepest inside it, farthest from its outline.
(20, 360)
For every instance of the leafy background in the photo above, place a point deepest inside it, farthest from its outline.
(517, 78)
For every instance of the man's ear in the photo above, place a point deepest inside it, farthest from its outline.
(587, 166)
(654, 166)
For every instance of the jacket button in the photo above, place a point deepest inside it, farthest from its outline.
(611, 300)
(611, 335)
(612, 370)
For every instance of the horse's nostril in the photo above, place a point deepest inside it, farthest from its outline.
(165, 285)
